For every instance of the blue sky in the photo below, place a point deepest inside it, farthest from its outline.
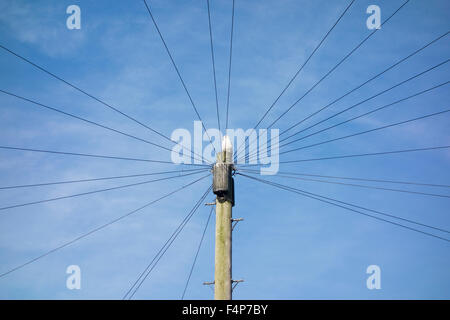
(288, 247)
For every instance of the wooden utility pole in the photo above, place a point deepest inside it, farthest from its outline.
(223, 187)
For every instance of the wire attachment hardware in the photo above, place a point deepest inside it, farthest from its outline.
(234, 222)
(235, 283)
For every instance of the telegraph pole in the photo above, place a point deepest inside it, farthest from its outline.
(223, 188)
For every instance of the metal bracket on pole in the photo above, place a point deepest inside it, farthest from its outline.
(235, 283)
(235, 222)
(210, 203)
(209, 284)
